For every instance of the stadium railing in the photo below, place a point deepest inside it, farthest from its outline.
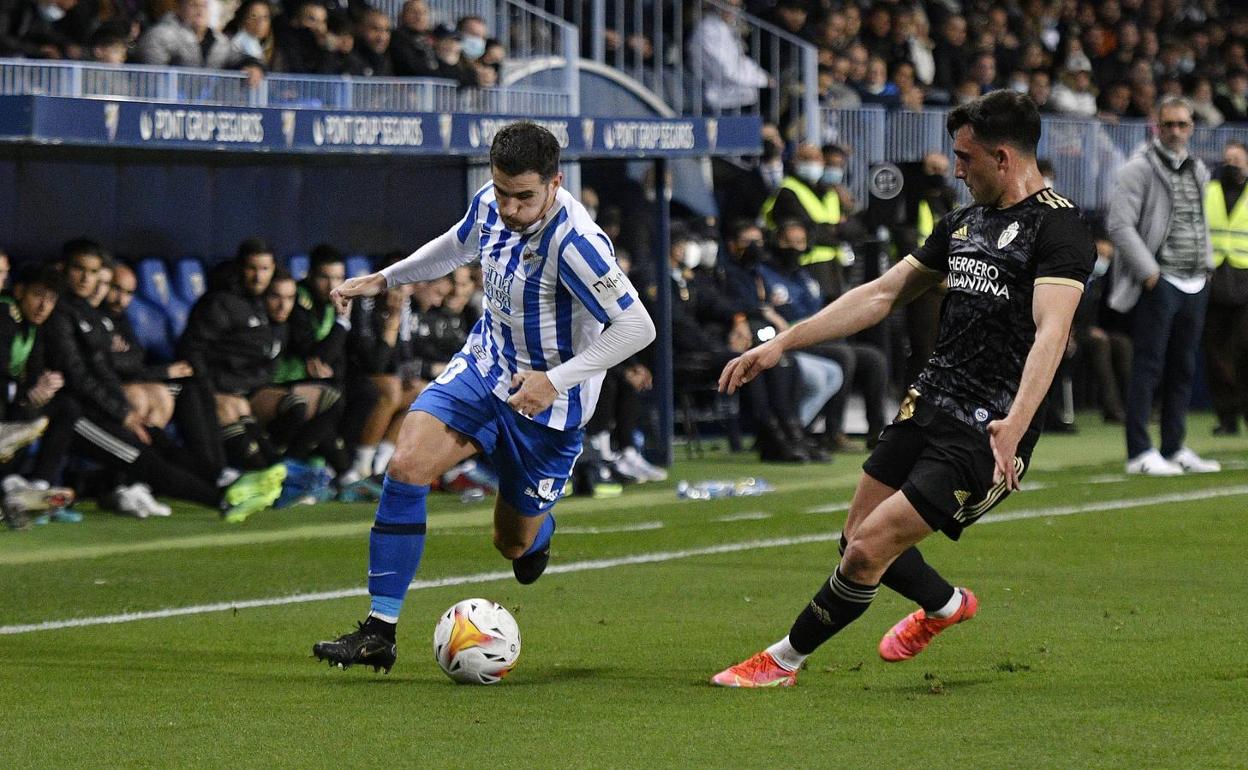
(230, 89)
(791, 61)
(1086, 153)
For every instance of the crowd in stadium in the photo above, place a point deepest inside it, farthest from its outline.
(1111, 59)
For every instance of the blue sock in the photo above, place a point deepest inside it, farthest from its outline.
(395, 545)
(543, 535)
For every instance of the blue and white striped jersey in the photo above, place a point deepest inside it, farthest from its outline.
(548, 295)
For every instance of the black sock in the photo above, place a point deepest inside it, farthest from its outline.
(292, 411)
(241, 449)
(915, 579)
(837, 603)
(375, 625)
(316, 432)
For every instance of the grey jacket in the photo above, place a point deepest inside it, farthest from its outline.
(1139, 220)
(174, 44)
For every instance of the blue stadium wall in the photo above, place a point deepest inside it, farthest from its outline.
(146, 203)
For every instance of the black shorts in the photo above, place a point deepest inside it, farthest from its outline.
(943, 466)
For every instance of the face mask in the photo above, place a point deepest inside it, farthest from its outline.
(752, 255)
(692, 256)
(935, 181)
(708, 254)
(1020, 86)
(810, 171)
(1233, 174)
(1100, 268)
(472, 46)
(788, 256)
(52, 13)
(833, 175)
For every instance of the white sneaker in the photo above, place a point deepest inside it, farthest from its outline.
(142, 495)
(16, 435)
(1151, 463)
(1191, 462)
(123, 500)
(636, 465)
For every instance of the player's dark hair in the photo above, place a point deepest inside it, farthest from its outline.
(81, 247)
(323, 254)
(1000, 117)
(522, 147)
(41, 275)
(251, 247)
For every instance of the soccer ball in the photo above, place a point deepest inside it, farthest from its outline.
(476, 641)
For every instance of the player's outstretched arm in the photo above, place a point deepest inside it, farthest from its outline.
(855, 310)
(1053, 308)
(364, 286)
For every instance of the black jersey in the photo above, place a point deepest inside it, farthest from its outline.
(993, 259)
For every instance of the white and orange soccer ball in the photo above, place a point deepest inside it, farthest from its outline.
(476, 641)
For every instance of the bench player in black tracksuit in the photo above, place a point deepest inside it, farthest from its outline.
(80, 338)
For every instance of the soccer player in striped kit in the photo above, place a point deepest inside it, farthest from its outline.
(522, 387)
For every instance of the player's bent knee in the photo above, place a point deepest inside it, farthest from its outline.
(862, 561)
(510, 548)
(411, 467)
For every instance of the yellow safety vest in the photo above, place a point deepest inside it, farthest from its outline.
(822, 212)
(926, 221)
(1229, 234)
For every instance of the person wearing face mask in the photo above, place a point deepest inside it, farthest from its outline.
(1226, 321)
(810, 195)
(710, 326)
(38, 29)
(794, 294)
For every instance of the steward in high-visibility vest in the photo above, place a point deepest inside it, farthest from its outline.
(1228, 229)
(820, 207)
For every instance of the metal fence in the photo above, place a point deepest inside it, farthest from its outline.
(655, 42)
(528, 34)
(230, 89)
(1086, 154)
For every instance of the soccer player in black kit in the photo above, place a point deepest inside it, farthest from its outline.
(1015, 262)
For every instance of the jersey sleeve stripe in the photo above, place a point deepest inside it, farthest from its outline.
(470, 218)
(626, 302)
(610, 247)
(1071, 282)
(582, 292)
(592, 258)
(914, 262)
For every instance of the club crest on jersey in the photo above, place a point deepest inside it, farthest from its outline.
(1007, 235)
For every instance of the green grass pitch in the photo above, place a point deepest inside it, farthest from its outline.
(1111, 633)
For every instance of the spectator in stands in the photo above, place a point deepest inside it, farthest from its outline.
(37, 29)
(1113, 102)
(1074, 95)
(1143, 99)
(910, 34)
(161, 392)
(184, 38)
(984, 71)
(835, 91)
(229, 341)
(717, 58)
(815, 202)
(411, 44)
(109, 45)
(371, 54)
(1203, 108)
(472, 36)
(340, 44)
(1039, 88)
(1233, 101)
(1226, 323)
(708, 330)
(951, 54)
(795, 296)
(1158, 225)
(303, 40)
(877, 88)
(449, 59)
(251, 31)
(31, 406)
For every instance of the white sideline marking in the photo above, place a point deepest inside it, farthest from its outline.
(597, 564)
(640, 526)
(830, 508)
(747, 516)
(1112, 478)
